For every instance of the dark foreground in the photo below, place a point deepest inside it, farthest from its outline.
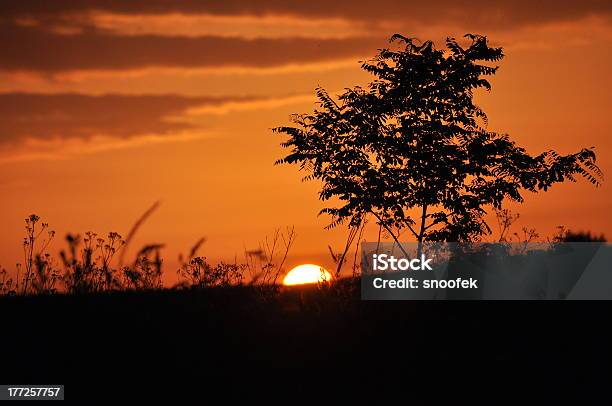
(173, 343)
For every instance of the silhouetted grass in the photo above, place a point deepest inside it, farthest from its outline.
(118, 326)
(89, 265)
(94, 264)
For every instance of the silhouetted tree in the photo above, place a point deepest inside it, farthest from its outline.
(565, 235)
(414, 141)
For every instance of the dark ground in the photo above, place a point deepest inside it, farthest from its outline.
(230, 341)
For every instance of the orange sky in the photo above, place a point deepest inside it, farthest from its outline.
(106, 108)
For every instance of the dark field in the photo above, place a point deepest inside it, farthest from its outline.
(228, 340)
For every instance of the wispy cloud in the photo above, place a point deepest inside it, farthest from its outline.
(58, 148)
(240, 26)
(27, 116)
(52, 126)
(485, 13)
(35, 49)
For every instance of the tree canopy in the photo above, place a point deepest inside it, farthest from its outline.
(413, 149)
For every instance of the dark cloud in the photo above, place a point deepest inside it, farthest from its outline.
(483, 12)
(37, 49)
(41, 47)
(42, 116)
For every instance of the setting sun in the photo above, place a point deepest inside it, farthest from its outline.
(306, 273)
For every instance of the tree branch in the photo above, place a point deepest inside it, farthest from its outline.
(382, 223)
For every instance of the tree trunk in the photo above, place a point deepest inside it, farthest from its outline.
(421, 231)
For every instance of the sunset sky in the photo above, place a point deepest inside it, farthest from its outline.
(109, 106)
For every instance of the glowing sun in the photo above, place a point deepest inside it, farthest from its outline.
(306, 273)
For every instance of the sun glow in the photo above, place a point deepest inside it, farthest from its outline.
(306, 273)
